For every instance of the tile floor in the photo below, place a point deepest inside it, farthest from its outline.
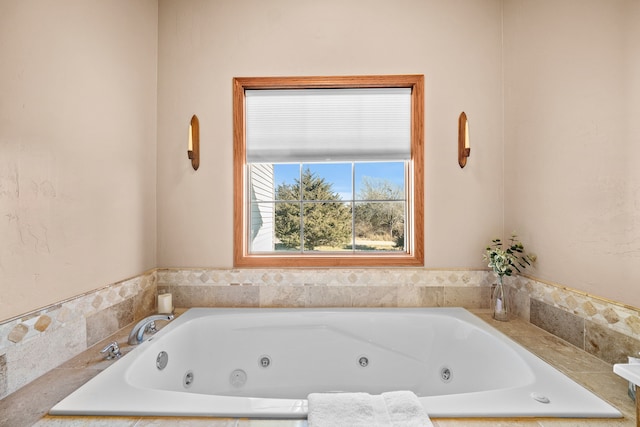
(29, 405)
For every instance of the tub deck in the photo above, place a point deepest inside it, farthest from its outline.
(29, 405)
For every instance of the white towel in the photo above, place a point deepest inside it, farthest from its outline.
(392, 409)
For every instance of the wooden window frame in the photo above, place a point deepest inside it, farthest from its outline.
(414, 256)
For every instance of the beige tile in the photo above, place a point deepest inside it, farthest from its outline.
(420, 296)
(625, 422)
(186, 422)
(216, 296)
(489, 422)
(520, 302)
(27, 405)
(18, 333)
(191, 296)
(564, 356)
(515, 327)
(31, 359)
(3, 374)
(144, 303)
(272, 423)
(565, 325)
(608, 344)
(467, 297)
(328, 296)
(108, 321)
(374, 296)
(233, 296)
(51, 421)
(282, 296)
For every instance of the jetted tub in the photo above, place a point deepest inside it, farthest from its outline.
(264, 362)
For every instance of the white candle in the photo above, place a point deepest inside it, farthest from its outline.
(190, 138)
(165, 305)
(466, 134)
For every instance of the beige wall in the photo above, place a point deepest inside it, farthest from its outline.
(572, 138)
(204, 44)
(78, 165)
(77, 147)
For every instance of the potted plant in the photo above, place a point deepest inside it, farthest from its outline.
(504, 261)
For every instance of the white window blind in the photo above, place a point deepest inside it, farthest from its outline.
(314, 125)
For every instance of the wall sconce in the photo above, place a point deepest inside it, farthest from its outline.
(193, 152)
(463, 140)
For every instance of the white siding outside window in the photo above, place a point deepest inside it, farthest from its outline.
(261, 217)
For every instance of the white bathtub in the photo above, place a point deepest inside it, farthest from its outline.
(264, 362)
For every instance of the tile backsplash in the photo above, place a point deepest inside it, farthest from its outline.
(608, 330)
(36, 342)
(400, 287)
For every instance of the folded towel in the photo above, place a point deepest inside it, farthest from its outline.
(392, 409)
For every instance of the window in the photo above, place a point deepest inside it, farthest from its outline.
(328, 171)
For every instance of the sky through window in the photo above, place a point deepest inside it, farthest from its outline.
(339, 174)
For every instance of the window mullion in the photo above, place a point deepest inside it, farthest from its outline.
(353, 207)
(301, 202)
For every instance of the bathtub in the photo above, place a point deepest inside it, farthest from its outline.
(263, 363)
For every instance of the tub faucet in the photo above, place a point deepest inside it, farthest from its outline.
(111, 351)
(146, 325)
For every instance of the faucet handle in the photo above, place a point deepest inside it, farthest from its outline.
(151, 327)
(111, 351)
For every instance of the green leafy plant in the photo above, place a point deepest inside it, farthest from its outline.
(503, 260)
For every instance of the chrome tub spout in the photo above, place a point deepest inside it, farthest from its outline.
(146, 325)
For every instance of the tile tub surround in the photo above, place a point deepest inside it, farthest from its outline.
(606, 329)
(36, 342)
(29, 405)
(367, 287)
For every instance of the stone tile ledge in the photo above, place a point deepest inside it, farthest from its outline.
(324, 277)
(50, 318)
(609, 314)
(36, 342)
